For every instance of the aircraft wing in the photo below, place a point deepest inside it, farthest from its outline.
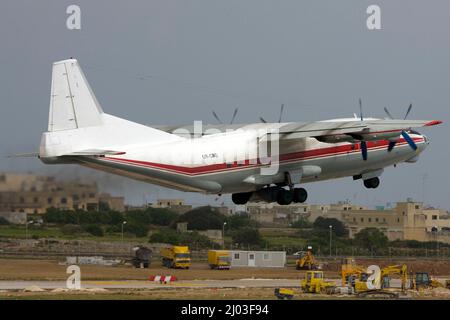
(325, 128)
(307, 129)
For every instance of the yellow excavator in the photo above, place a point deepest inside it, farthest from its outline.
(353, 274)
(357, 276)
(307, 261)
(401, 270)
(384, 280)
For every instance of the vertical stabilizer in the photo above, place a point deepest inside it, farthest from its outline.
(72, 102)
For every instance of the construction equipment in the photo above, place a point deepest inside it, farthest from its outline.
(142, 257)
(307, 261)
(219, 259)
(283, 293)
(422, 280)
(386, 272)
(314, 283)
(362, 289)
(356, 277)
(176, 257)
(353, 275)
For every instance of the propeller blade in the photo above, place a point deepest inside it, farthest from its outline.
(217, 117)
(262, 120)
(388, 113)
(391, 145)
(360, 109)
(408, 139)
(364, 150)
(281, 112)
(234, 115)
(407, 112)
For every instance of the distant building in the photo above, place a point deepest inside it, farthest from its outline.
(34, 194)
(213, 235)
(407, 221)
(223, 210)
(273, 259)
(113, 203)
(273, 214)
(14, 217)
(182, 227)
(176, 205)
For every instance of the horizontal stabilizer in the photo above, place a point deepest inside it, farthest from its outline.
(24, 155)
(95, 152)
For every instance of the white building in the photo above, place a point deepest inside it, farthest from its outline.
(270, 259)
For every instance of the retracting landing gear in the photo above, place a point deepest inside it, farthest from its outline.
(274, 193)
(372, 183)
(241, 198)
(300, 195)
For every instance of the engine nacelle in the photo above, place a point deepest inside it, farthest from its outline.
(387, 135)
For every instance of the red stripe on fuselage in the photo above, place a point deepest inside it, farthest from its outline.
(289, 157)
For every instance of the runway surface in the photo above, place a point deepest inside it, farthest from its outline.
(135, 284)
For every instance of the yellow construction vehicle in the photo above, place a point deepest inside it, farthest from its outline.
(176, 257)
(353, 274)
(306, 261)
(384, 281)
(219, 259)
(423, 280)
(283, 293)
(401, 270)
(315, 283)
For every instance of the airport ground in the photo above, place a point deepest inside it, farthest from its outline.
(45, 279)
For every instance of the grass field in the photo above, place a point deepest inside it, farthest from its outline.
(19, 232)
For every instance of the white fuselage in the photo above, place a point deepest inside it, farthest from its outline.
(222, 163)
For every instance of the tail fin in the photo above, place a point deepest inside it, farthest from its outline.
(72, 102)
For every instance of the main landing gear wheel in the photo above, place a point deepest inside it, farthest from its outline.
(241, 198)
(372, 183)
(299, 195)
(284, 197)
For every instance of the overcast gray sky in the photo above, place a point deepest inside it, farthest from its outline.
(167, 61)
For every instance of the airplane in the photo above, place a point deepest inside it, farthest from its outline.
(263, 161)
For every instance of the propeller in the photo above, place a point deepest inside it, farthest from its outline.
(363, 143)
(404, 134)
(364, 150)
(233, 117)
(360, 109)
(217, 117)
(281, 113)
(279, 118)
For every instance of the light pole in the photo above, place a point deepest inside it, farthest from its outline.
(223, 235)
(123, 223)
(331, 231)
(26, 228)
